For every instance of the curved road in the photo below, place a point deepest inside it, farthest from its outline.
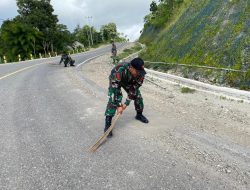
(43, 130)
(49, 117)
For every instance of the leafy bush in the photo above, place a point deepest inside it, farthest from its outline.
(187, 90)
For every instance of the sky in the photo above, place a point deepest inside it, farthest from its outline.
(127, 14)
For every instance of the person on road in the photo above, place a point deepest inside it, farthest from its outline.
(130, 77)
(113, 50)
(114, 53)
(67, 60)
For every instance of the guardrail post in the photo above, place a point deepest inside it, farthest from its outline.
(19, 58)
(40, 55)
(31, 56)
(56, 54)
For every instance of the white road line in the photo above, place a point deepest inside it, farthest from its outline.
(79, 65)
(18, 71)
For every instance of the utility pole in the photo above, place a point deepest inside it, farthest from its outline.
(88, 38)
(90, 30)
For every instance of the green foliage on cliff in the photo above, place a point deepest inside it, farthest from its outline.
(203, 32)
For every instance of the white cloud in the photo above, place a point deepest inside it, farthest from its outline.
(133, 32)
(127, 14)
(8, 9)
(6, 3)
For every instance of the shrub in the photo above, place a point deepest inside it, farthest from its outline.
(187, 90)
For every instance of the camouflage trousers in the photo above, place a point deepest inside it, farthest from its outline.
(112, 102)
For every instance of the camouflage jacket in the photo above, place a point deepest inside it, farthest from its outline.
(121, 77)
(113, 48)
(65, 58)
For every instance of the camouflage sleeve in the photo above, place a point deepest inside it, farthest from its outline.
(62, 58)
(115, 86)
(133, 89)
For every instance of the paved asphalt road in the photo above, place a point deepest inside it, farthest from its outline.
(48, 119)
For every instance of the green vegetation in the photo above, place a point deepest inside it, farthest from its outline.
(200, 32)
(161, 16)
(36, 31)
(126, 52)
(187, 90)
(223, 98)
(160, 66)
(106, 34)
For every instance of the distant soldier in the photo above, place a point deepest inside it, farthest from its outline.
(67, 60)
(113, 49)
(128, 76)
(114, 53)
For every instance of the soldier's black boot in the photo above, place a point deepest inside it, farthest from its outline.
(72, 63)
(108, 121)
(141, 117)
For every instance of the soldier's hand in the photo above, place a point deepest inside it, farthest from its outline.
(124, 106)
(120, 110)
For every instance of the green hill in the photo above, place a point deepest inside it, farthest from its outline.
(202, 32)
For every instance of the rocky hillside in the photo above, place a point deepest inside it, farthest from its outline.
(205, 32)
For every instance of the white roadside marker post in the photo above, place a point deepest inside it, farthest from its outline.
(4, 59)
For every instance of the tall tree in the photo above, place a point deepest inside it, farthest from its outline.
(39, 14)
(109, 31)
(18, 39)
(153, 7)
(97, 37)
(62, 37)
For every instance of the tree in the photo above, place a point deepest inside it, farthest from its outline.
(62, 37)
(153, 7)
(76, 30)
(109, 31)
(39, 14)
(18, 39)
(83, 35)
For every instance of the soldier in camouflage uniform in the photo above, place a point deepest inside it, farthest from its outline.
(130, 77)
(113, 49)
(67, 60)
(114, 53)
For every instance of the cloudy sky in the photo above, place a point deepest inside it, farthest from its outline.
(127, 14)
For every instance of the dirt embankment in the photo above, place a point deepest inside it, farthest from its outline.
(201, 128)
